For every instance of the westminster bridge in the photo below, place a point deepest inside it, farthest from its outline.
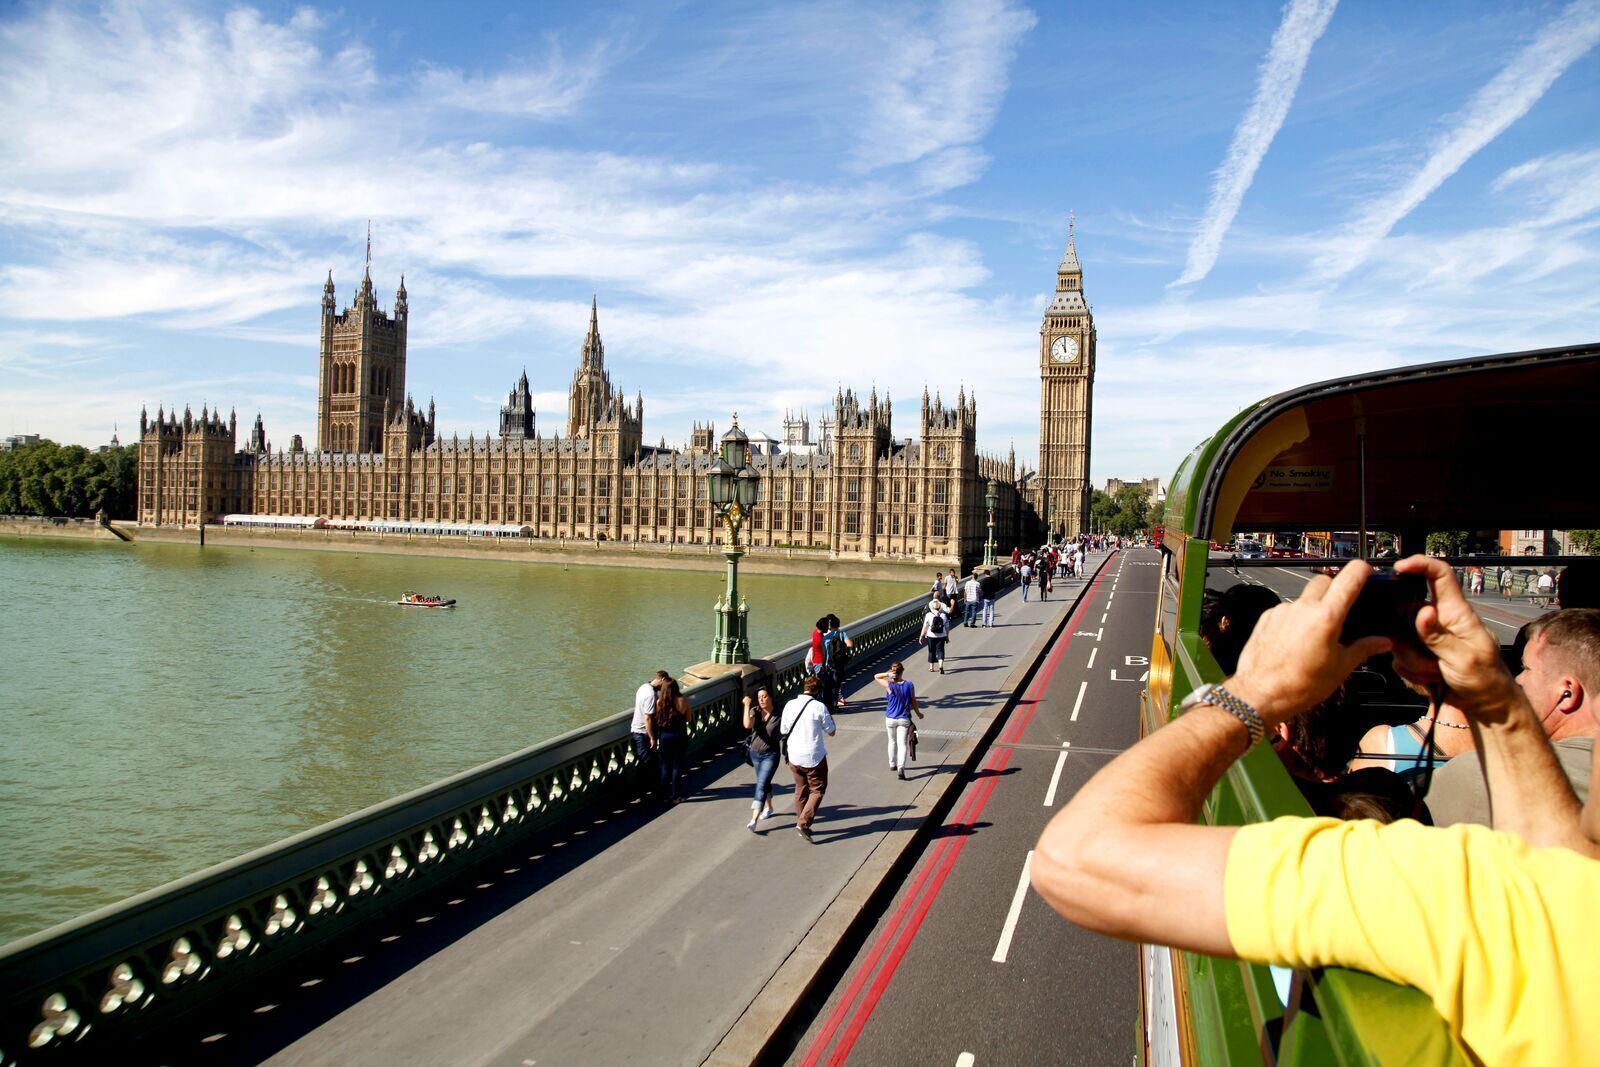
(535, 911)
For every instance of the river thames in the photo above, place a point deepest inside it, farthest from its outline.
(166, 707)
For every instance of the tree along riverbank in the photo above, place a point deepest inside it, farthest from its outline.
(46, 479)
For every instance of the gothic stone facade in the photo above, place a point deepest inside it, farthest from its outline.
(865, 493)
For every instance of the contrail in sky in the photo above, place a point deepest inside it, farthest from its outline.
(1303, 22)
(1504, 100)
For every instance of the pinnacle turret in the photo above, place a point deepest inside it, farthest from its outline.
(1069, 260)
(593, 350)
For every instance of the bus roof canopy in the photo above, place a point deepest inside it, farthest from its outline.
(1499, 442)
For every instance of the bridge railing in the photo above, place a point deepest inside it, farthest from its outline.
(118, 969)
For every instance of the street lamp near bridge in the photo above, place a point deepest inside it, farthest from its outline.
(732, 484)
(990, 499)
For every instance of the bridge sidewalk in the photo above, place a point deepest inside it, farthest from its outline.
(650, 936)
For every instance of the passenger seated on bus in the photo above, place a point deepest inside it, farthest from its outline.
(1227, 619)
(1482, 921)
(1316, 749)
(1399, 748)
(1319, 745)
(1561, 677)
(1371, 793)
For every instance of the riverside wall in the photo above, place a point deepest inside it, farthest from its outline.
(74, 529)
(803, 562)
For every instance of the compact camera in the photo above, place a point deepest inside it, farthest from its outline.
(1387, 607)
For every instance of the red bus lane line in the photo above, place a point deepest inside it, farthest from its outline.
(885, 975)
(925, 888)
(887, 936)
(865, 971)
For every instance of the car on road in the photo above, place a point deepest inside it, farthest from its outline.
(1251, 550)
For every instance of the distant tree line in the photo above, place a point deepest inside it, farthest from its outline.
(1467, 543)
(47, 479)
(1125, 513)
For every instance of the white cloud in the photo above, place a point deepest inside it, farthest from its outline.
(1565, 185)
(551, 90)
(941, 80)
(1503, 100)
(1303, 22)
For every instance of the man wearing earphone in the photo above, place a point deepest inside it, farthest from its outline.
(1561, 675)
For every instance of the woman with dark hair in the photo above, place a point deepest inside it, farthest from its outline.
(673, 717)
(814, 657)
(761, 719)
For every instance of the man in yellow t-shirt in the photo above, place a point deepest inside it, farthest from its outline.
(1498, 927)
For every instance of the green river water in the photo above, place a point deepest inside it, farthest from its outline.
(164, 707)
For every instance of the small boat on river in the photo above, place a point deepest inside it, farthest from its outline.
(421, 600)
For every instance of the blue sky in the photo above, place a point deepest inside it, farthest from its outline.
(774, 200)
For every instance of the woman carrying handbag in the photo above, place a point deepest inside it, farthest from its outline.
(761, 719)
(900, 705)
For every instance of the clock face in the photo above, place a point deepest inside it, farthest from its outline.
(1065, 350)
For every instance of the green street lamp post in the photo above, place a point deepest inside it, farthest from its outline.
(990, 499)
(732, 485)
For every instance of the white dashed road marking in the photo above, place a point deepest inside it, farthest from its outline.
(1010, 927)
(1076, 704)
(1055, 778)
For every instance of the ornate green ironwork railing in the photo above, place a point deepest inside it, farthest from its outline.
(73, 988)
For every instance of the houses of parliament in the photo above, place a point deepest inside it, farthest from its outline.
(851, 487)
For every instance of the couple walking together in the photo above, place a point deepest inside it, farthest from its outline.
(662, 716)
(799, 732)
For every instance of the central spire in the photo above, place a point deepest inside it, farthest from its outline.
(1069, 261)
(593, 351)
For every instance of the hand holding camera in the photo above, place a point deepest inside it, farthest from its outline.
(1295, 658)
(1456, 648)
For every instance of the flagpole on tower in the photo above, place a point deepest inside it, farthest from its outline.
(369, 246)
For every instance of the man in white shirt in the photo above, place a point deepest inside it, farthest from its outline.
(973, 592)
(642, 730)
(804, 722)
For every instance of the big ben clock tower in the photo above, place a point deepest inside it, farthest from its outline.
(1066, 397)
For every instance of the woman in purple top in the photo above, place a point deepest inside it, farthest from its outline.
(902, 702)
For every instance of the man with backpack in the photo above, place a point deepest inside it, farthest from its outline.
(935, 629)
(835, 651)
(804, 723)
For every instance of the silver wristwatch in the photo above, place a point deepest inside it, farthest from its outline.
(1219, 697)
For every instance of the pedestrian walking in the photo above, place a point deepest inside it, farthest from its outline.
(1043, 577)
(899, 705)
(935, 631)
(674, 715)
(814, 654)
(762, 720)
(986, 587)
(642, 730)
(972, 591)
(1026, 576)
(805, 722)
(950, 590)
(836, 645)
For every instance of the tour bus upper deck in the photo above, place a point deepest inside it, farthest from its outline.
(1489, 444)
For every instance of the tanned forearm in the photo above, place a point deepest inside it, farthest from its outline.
(1529, 794)
(1105, 862)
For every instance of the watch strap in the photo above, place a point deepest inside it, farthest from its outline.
(1219, 697)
